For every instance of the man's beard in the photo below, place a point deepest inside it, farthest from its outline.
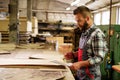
(85, 26)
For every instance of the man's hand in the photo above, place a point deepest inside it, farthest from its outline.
(76, 66)
(79, 64)
(69, 56)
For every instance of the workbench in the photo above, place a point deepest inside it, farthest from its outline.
(32, 72)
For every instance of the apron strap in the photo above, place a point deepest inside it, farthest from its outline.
(80, 53)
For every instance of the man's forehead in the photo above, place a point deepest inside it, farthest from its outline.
(78, 16)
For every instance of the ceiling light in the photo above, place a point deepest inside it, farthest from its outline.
(80, 4)
(75, 2)
(68, 8)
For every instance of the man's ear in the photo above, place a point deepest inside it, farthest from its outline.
(87, 18)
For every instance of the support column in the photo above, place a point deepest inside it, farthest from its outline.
(29, 15)
(13, 22)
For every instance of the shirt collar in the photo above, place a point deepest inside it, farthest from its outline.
(87, 31)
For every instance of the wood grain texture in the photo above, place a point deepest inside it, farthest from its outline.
(29, 74)
(34, 62)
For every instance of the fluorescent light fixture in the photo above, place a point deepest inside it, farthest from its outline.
(75, 2)
(80, 4)
(68, 8)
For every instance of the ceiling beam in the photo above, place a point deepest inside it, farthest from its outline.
(90, 2)
(115, 4)
(52, 11)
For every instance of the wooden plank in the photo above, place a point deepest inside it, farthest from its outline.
(29, 74)
(24, 62)
(32, 63)
(116, 68)
(4, 52)
(7, 46)
(47, 56)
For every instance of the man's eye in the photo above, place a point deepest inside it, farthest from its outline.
(79, 21)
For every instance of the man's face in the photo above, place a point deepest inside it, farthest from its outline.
(81, 21)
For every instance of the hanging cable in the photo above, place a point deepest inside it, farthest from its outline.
(108, 59)
(110, 24)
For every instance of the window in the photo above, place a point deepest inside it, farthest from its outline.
(97, 18)
(66, 18)
(105, 17)
(118, 20)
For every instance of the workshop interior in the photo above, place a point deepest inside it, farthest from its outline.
(36, 34)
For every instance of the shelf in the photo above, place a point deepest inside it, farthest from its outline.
(4, 36)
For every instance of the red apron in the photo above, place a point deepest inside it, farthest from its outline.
(80, 52)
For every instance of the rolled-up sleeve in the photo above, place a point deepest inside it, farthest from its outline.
(99, 48)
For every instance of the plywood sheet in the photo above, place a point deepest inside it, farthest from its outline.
(7, 47)
(26, 62)
(4, 52)
(47, 56)
(31, 46)
(29, 74)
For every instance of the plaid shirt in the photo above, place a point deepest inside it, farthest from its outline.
(99, 46)
(95, 48)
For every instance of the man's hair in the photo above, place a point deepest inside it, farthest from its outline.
(84, 11)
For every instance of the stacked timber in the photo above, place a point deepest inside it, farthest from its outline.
(23, 29)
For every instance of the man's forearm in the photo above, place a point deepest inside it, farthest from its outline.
(80, 64)
(84, 63)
